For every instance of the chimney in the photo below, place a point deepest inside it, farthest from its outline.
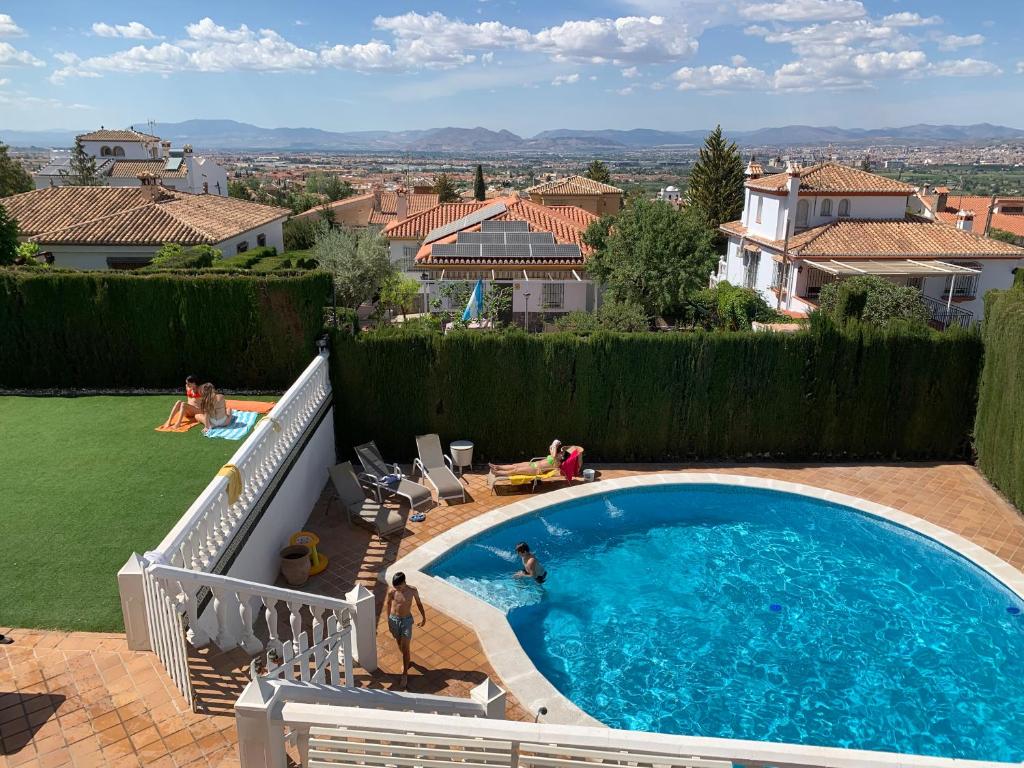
(187, 150)
(988, 215)
(206, 187)
(150, 187)
(965, 220)
(941, 201)
(754, 169)
(402, 204)
(166, 148)
(792, 199)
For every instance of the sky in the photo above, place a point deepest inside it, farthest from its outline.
(521, 65)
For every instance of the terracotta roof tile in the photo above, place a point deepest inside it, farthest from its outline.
(129, 169)
(417, 226)
(573, 185)
(888, 238)
(1008, 222)
(833, 178)
(108, 135)
(125, 216)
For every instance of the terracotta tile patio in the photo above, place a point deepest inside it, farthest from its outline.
(83, 699)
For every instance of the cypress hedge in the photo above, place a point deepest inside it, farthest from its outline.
(822, 393)
(999, 429)
(111, 330)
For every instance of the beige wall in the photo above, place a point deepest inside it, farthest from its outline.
(599, 205)
(354, 213)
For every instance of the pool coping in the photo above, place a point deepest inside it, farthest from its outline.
(533, 690)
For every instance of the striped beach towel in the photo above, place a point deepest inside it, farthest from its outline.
(239, 426)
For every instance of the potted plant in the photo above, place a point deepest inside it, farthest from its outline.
(295, 564)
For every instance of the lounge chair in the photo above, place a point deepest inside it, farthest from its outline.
(389, 479)
(533, 480)
(436, 468)
(373, 514)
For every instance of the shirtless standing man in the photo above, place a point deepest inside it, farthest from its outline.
(398, 607)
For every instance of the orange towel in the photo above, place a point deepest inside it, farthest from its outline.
(235, 405)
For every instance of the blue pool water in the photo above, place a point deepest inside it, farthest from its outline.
(713, 610)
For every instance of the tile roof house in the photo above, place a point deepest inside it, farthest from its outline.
(809, 226)
(122, 156)
(536, 250)
(1007, 212)
(579, 191)
(121, 227)
(376, 208)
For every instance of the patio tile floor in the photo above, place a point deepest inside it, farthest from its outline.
(83, 699)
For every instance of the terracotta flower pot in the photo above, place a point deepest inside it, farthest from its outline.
(295, 564)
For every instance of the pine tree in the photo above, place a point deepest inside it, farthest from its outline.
(82, 169)
(598, 171)
(8, 237)
(716, 181)
(445, 189)
(13, 176)
(865, 163)
(479, 188)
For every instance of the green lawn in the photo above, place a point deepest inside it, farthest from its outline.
(84, 481)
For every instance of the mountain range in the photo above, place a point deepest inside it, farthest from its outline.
(231, 134)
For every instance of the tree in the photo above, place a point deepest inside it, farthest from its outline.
(8, 237)
(598, 171)
(716, 181)
(357, 260)
(865, 163)
(398, 294)
(872, 299)
(13, 176)
(1004, 236)
(479, 188)
(331, 186)
(28, 253)
(238, 189)
(299, 233)
(729, 307)
(444, 188)
(652, 255)
(81, 169)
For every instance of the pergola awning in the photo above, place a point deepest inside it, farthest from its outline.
(894, 267)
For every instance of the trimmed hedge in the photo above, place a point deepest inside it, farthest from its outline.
(109, 330)
(825, 392)
(999, 429)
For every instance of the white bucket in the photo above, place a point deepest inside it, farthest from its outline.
(588, 475)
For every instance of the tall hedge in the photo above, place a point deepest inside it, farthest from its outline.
(121, 330)
(822, 393)
(999, 429)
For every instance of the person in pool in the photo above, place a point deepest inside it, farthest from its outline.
(556, 455)
(398, 607)
(532, 568)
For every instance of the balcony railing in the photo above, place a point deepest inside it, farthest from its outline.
(945, 315)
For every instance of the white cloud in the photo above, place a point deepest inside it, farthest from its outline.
(738, 60)
(625, 91)
(133, 30)
(626, 39)
(566, 79)
(720, 78)
(908, 19)
(4, 81)
(804, 10)
(631, 72)
(1020, 67)
(965, 68)
(12, 57)
(955, 42)
(8, 28)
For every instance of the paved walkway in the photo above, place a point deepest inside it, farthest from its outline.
(85, 700)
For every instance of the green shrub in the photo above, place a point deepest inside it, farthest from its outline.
(999, 428)
(822, 393)
(872, 299)
(610, 316)
(300, 234)
(248, 259)
(175, 256)
(126, 330)
(729, 307)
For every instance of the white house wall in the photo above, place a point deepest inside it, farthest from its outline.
(133, 150)
(273, 231)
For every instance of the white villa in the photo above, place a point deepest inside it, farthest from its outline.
(806, 227)
(122, 156)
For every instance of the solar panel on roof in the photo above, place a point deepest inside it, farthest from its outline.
(173, 163)
(505, 226)
(476, 217)
(541, 238)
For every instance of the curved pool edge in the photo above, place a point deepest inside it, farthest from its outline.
(523, 680)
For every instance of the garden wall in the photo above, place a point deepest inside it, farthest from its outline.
(823, 393)
(999, 430)
(110, 330)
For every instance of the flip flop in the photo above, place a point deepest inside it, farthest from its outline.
(4, 640)
(418, 517)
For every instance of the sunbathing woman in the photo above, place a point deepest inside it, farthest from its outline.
(187, 408)
(213, 408)
(556, 455)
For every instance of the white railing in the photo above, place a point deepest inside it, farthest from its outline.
(384, 736)
(204, 532)
(330, 658)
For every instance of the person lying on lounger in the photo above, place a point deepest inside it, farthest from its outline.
(213, 408)
(556, 455)
(187, 408)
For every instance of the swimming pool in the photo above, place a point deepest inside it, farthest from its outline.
(725, 611)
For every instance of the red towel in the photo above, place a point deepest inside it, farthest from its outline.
(571, 466)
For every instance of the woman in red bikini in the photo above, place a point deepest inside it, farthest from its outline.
(188, 407)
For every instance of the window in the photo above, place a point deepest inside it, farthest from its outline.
(815, 279)
(118, 152)
(407, 261)
(242, 247)
(965, 286)
(553, 295)
(751, 261)
(915, 282)
(844, 207)
(760, 207)
(802, 210)
(779, 275)
(104, 151)
(826, 207)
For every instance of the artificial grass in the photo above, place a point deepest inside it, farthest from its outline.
(85, 482)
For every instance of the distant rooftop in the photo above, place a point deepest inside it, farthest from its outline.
(130, 134)
(574, 185)
(833, 178)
